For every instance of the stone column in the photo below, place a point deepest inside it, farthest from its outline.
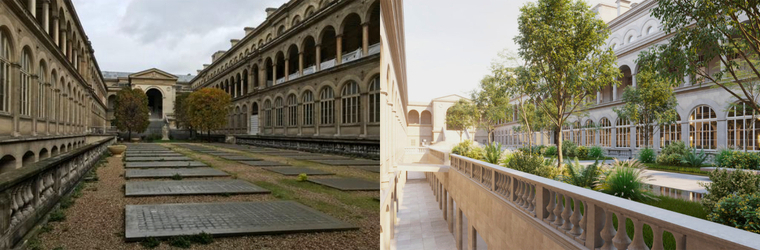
(365, 39)
(337, 115)
(339, 49)
(685, 132)
(300, 63)
(598, 97)
(656, 137)
(722, 133)
(363, 114)
(614, 93)
(57, 101)
(274, 74)
(633, 80)
(46, 16)
(33, 109)
(56, 29)
(32, 4)
(319, 57)
(48, 108)
(15, 102)
(287, 68)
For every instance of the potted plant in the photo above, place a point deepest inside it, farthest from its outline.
(117, 150)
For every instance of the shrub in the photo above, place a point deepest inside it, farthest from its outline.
(741, 211)
(596, 152)
(176, 177)
(583, 176)
(647, 155)
(724, 183)
(180, 241)
(202, 238)
(57, 215)
(672, 153)
(626, 181)
(150, 242)
(507, 158)
(533, 164)
(694, 159)
(302, 177)
(467, 149)
(493, 153)
(568, 148)
(739, 159)
(721, 156)
(550, 151)
(581, 151)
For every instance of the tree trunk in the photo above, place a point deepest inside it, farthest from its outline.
(208, 135)
(129, 135)
(558, 135)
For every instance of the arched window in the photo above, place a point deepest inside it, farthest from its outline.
(577, 132)
(589, 130)
(309, 11)
(426, 118)
(702, 128)
(605, 133)
(640, 136)
(630, 39)
(374, 100)
(623, 133)
(649, 30)
(413, 117)
(292, 110)
(350, 102)
(326, 105)
(670, 133)
(308, 108)
(5, 71)
(278, 111)
(41, 88)
(26, 81)
(743, 130)
(567, 133)
(268, 113)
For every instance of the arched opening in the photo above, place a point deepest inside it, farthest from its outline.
(327, 106)
(703, 124)
(5, 69)
(7, 163)
(238, 85)
(245, 82)
(426, 118)
(63, 148)
(327, 48)
(268, 72)
(281, 30)
(309, 11)
(27, 159)
(255, 73)
(352, 38)
(588, 129)
(242, 117)
(111, 102)
(44, 154)
(296, 21)
(623, 133)
(255, 109)
(414, 117)
(293, 62)
(155, 103)
(292, 110)
(54, 151)
(670, 133)
(374, 27)
(309, 55)
(308, 108)
(280, 67)
(625, 81)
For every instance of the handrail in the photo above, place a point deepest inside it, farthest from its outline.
(542, 199)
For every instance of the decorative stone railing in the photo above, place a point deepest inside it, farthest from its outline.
(364, 148)
(415, 150)
(373, 49)
(327, 64)
(351, 56)
(552, 208)
(309, 70)
(29, 193)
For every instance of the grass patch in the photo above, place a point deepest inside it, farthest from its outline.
(283, 193)
(176, 177)
(150, 242)
(676, 169)
(202, 238)
(343, 196)
(34, 244)
(57, 215)
(180, 241)
(46, 228)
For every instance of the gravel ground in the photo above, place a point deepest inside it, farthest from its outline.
(96, 220)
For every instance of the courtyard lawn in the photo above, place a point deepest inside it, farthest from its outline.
(676, 169)
(689, 208)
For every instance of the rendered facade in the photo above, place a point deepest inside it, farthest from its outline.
(52, 93)
(427, 124)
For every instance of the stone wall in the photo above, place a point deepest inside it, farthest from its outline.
(363, 148)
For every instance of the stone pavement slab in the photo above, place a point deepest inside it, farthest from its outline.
(349, 162)
(165, 164)
(158, 158)
(348, 184)
(264, 163)
(369, 168)
(150, 151)
(318, 157)
(292, 171)
(151, 154)
(279, 153)
(680, 181)
(226, 219)
(220, 153)
(170, 172)
(191, 187)
(240, 158)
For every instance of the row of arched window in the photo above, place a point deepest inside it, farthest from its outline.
(424, 118)
(10, 162)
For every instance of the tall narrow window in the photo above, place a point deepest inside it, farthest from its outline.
(670, 133)
(292, 110)
(308, 108)
(26, 81)
(577, 133)
(41, 91)
(5, 69)
(605, 133)
(623, 133)
(326, 105)
(702, 128)
(743, 127)
(278, 111)
(590, 132)
(268, 113)
(567, 133)
(641, 136)
(374, 100)
(350, 103)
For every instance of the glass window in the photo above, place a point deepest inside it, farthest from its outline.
(702, 128)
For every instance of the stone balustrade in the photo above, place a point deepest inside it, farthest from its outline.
(510, 209)
(415, 150)
(29, 193)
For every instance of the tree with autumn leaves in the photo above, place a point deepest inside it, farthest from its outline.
(131, 111)
(207, 109)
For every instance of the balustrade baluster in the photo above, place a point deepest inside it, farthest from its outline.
(621, 239)
(576, 218)
(638, 236)
(531, 198)
(657, 238)
(584, 221)
(558, 211)
(518, 194)
(567, 213)
(608, 231)
(680, 241)
(550, 207)
(526, 195)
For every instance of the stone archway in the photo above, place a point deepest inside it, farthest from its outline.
(155, 103)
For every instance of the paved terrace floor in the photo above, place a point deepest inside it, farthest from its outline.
(680, 181)
(420, 223)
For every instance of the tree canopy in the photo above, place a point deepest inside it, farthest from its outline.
(180, 111)
(207, 109)
(460, 117)
(563, 45)
(131, 111)
(490, 103)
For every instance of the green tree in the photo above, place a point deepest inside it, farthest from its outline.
(562, 44)
(705, 31)
(490, 103)
(131, 111)
(460, 117)
(181, 114)
(650, 104)
(207, 109)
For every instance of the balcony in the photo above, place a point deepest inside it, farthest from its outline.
(309, 70)
(351, 56)
(327, 64)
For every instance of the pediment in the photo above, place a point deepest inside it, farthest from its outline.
(153, 73)
(450, 98)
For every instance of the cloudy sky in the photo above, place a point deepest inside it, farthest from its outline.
(177, 36)
(450, 44)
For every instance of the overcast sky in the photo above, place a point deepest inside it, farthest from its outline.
(177, 36)
(450, 44)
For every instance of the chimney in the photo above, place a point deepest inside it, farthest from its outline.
(623, 6)
(248, 30)
(234, 41)
(270, 11)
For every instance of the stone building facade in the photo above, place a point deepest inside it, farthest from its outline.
(310, 70)
(52, 93)
(427, 124)
(705, 119)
